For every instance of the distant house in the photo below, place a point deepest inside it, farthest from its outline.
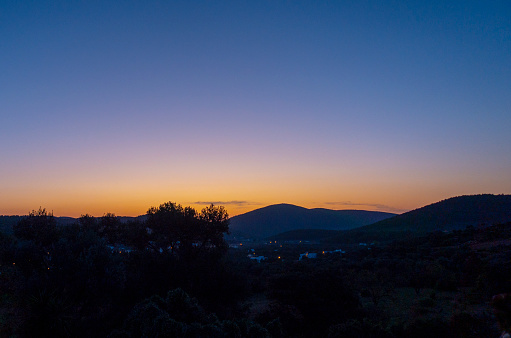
(258, 258)
(119, 248)
(308, 255)
(335, 251)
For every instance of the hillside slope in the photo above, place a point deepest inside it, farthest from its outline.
(450, 214)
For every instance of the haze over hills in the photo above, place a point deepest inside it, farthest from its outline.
(450, 214)
(278, 218)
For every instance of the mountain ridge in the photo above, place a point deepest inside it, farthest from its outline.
(277, 218)
(454, 213)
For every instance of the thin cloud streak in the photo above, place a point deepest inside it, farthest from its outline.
(381, 207)
(236, 203)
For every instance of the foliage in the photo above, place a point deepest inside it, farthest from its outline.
(321, 296)
(354, 328)
(38, 226)
(107, 277)
(187, 232)
(179, 315)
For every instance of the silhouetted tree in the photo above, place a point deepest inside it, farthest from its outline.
(88, 221)
(134, 234)
(175, 228)
(214, 222)
(110, 227)
(38, 226)
(166, 223)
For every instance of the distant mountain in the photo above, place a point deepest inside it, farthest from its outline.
(278, 218)
(450, 214)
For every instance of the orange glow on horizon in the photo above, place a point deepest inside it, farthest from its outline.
(129, 195)
(134, 206)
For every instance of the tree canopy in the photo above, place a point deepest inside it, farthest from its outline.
(186, 231)
(38, 226)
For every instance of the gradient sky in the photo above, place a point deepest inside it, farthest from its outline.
(380, 105)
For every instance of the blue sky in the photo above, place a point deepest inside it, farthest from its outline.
(117, 106)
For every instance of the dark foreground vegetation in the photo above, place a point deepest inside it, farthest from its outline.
(173, 275)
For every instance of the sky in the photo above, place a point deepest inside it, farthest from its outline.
(117, 106)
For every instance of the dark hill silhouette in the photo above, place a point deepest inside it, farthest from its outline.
(450, 214)
(278, 218)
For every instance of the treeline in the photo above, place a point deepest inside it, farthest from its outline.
(172, 275)
(86, 279)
